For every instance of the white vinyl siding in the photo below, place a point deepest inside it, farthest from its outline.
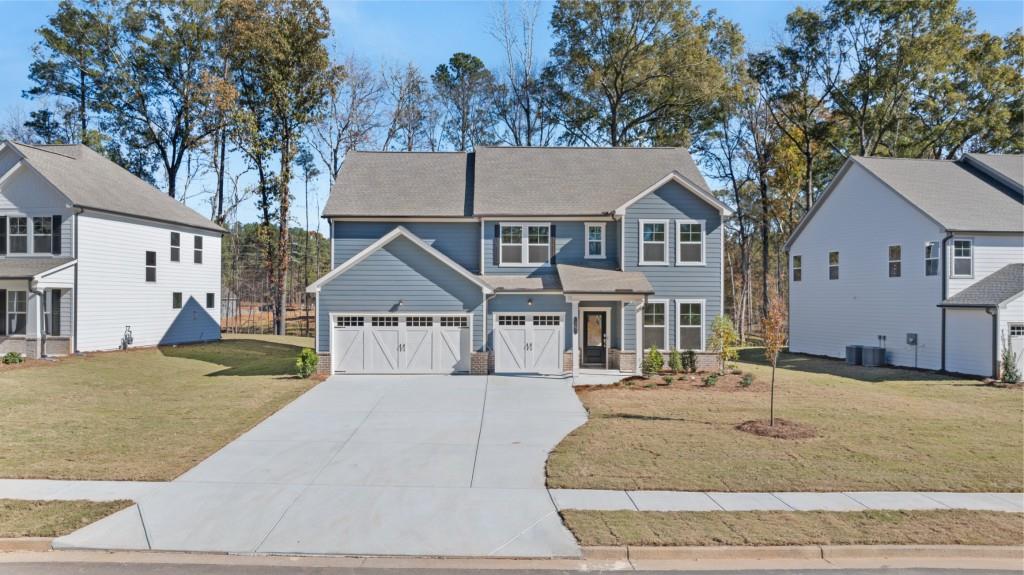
(990, 253)
(969, 341)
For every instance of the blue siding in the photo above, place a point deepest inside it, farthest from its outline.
(629, 331)
(518, 304)
(400, 271)
(457, 240)
(569, 245)
(673, 202)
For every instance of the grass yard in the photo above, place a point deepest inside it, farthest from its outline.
(51, 518)
(652, 528)
(146, 414)
(876, 429)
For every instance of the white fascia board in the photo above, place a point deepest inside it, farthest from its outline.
(675, 176)
(383, 241)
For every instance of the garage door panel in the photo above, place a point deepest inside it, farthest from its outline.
(348, 350)
(418, 350)
(383, 356)
(390, 343)
(453, 349)
(528, 343)
(546, 353)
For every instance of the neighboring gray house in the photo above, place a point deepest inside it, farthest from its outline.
(922, 256)
(93, 258)
(517, 260)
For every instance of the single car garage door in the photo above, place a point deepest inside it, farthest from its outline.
(401, 343)
(528, 343)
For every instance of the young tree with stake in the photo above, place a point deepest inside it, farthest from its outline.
(774, 332)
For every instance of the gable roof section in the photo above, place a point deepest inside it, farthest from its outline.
(28, 268)
(954, 194)
(991, 291)
(403, 184)
(523, 181)
(91, 181)
(399, 231)
(1007, 168)
(678, 178)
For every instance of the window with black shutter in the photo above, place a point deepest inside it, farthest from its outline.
(58, 235)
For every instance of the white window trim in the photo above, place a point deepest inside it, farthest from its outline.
(28, 235)
(828, 263)
(664, 328)
(703, 320)
(586, 241)
(197, 251)
(32, 232)
(640, 242)
(935, 258)
(524, 244)
(703, 243)
(793, 267)
(953, 258)
(8, 313)
(888, 254)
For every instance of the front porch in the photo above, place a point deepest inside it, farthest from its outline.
(37, 306)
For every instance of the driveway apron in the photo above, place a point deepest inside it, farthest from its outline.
(372, 465)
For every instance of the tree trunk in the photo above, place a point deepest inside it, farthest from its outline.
(765, 255)
(283, 239)
(221, 154)
(305, 258)
(82, 110)
(771, 403)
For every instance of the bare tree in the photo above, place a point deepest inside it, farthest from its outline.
(13, 126)
(412, 115)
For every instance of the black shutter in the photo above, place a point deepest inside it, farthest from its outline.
(56, 236)
(55, 311)
(554, 245)
(3, 310)
(497, 244)
(3, 242)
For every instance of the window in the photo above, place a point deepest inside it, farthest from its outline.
(524, 244)
(210, 300)
(197, 256)
(17, 312)
(798, 269)
(655, 326)
(931, 259)
(51, 313)
(833, 265)
(653, 242)
(690, 235)
(348, 321)
(547, 320)
(175, 247)
(176, 300)
(17, 236)
(150, 266)
(454, 321)
(690, 332)
(42, 235)
(1016, 329)
(895, 261)
(419, 321)
(384, 321)
(963, 258)
(511, 320)
(595, 241)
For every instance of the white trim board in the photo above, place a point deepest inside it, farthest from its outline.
(678, 178)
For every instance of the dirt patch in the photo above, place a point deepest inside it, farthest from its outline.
(730, 381)
(783, 429)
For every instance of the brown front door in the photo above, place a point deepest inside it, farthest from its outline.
(595, 348)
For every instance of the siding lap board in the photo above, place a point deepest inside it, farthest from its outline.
(458, 240)
(570, 242)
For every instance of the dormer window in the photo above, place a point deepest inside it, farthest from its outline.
(595, 241)
(524, 244)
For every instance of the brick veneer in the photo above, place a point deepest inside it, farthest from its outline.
(627, 361)
(480, 363)
(567, 362)
(323, 363)
(707, 361)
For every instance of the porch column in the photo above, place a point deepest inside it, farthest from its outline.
(34, 323)
(575, 338)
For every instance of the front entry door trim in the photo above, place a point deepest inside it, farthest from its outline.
(584, 309)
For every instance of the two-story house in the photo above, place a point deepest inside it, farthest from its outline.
(517, 260)
(93, 258)
(922, 257)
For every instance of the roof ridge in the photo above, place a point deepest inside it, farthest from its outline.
(45, 149)
(596, 148)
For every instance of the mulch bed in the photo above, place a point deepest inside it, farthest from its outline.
(730, 381)
(783, 429)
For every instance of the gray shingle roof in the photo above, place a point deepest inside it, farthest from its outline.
(506, 283)
(91, 181)
(954, 194)
(502, 181)
(579, 279)
(1007, 168)
(402, 184)
(571, 181)
(992, 290)
(16, 267)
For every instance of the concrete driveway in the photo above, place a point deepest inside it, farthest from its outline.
(372, 465)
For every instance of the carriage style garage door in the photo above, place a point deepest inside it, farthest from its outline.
(407, 343)
(528, 343)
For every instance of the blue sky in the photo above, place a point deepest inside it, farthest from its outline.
(427, 33)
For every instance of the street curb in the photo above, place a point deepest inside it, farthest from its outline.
(25, 544)
(830, 552)
(804, 552)
(724, 552)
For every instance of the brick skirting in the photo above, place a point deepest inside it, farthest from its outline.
(323, 363)
(480, 363)
(627, 361)
(567, 362)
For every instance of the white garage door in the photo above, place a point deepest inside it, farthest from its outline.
(528, 343)
(390, 343)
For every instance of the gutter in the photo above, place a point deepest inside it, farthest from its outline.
(942, 296)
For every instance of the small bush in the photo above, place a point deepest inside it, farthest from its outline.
(653, 361)
(305, 364)
(13, 357)
(747, 380)
(1009, 360)
(675, 361)
(667, 379)
(690, 361)
(710, 380)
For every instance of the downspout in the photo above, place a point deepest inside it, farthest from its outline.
(994, 312)
(942, 298)
(74, 251)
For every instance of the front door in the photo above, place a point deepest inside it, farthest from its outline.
(595, 348)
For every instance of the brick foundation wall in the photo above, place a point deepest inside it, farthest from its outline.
(323, 363)
(480, 363)
(627, 361)
(613, 358)
(567, 362)
(707, 361)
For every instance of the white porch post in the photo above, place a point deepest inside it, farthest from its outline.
(639, 339)
(34, 321)
(575, 338)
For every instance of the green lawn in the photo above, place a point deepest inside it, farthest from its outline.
(51, 518)
(146, 414)
(652, 528)
(877, 429)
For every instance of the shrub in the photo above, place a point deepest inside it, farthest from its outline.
(653, 361)
(305, 364)
(690, 361)
(710, 379)
(13, 357)
(723, 340)
(667, 379)
(1009, 360)
(747, 380)
(675, 361)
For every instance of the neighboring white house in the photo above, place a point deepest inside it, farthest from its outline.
(922, 257)
(93, 258)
